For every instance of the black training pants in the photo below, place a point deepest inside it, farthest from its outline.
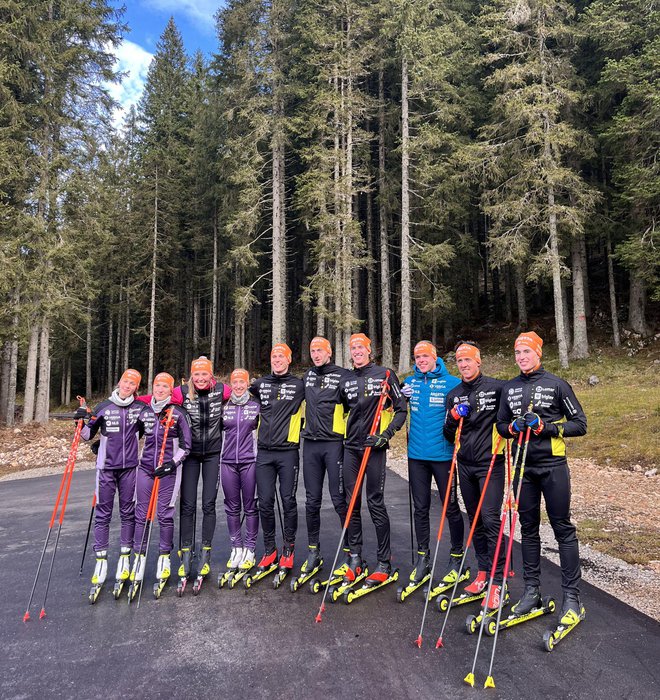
(319, 457)
(209, 466)
(420, 472)
(271, 465)
(472, 478)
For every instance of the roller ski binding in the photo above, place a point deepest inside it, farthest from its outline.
(418, 577)
(286, 564)
(449, 577)
(185, 554)
(489, 609)
(234, 561)
(99, 576)
(266, 566)
(356, 572)
(336, 577)
(572, 613)
(470, 594)
(309, 568)
(530, 606)
(381, 576)
(123, 571)
(204, 570)
(162, 574)
(137, 576)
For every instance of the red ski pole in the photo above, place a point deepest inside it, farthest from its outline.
(358, 484)
(512, 573)
(457, 444)
(68, 470)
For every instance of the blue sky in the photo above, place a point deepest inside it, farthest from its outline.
(146, 20)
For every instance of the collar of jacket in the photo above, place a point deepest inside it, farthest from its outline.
(474, 383)
(364, 368)
(324, 369)
(532, 376)
(439, 371)
(279, 377)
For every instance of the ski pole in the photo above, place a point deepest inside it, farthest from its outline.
(475, 519)
(452, 468)
(410, 514)
(469, 679)
(153, 501)
(279, 512)
(358, 485)
(512, 573)
(65, 475)
(89, 528)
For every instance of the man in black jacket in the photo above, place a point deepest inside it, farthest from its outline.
(360, 393)
(547, 405)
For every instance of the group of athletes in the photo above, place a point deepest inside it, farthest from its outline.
(246, 436)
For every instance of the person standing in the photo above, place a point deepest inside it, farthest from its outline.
(547, 405)
(280, 395)
(476, 400)
(361, 391)
(323, 436)
(120, 423)
(430, 455)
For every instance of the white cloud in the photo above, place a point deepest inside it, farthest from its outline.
(200, 12)
(133, 61)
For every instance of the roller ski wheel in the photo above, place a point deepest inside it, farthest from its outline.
(552, 637)
(197, 585)
(159, 587)
(118, 589)
(316, 585)
(94, 593)
(443, 586)
(279, 578)
(308, 570)
(403, 592)
(369, 586)
(473, 622)
(547, 606)
(181, 586)
(225, 578)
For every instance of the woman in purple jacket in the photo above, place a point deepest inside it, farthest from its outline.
(159, 412)
(240, 417)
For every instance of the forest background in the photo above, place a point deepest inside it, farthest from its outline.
(406, 168)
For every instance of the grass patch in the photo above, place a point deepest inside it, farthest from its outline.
(634, 546)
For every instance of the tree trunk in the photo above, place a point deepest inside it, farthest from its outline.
(519, 274)
(616, 336)
(279, 233)
(580, 340)
(6, 352)
(637, 308)
(556, 281)
(508, 305)
(405, 342)
(195, 329)
(214, 290)
(386, 311)
(31, 375)
(43, 389)
(88, 355)
(11, 379)
(109, 384)
(372, 313)
(152, 308)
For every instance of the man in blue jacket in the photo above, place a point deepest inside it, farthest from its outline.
(430, 454)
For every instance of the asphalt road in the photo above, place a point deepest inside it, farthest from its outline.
(264, 643)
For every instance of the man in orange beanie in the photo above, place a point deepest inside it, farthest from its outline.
(547, 405)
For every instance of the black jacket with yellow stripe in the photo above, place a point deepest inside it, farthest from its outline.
(360, 393)
(280, 397)
(479, 434)
(325, 417)
(555, 402)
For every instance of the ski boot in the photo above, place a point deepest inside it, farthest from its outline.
(204, 569)
(336, 577)
(267, 565)
(419, 576)
(286, 564)
(246, 565)
(356, 572)
(234, 561)
(310, 567)
(123, 571)
(185, 554)
(530, 606)
(476, 590)
(450, 576)
(162, 574)
(380, 577)
(572, 613)
(99, 575)
(137, 575)
(489, 608)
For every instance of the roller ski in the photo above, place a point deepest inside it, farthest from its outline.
(204, 570)
(489, 610)
(381, 576)
(530, 606)
(572, 613)
(420, 575)
(136, 576)
(162, 575)
(99, 576)
(356, 572)
(185, 554)
(316, 585)
(123, 572)
(449, 577)
(286, 564)
(266, 566)
(471, 593)
(234, 561)
(309, 568)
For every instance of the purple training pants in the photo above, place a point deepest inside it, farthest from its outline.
(240, 480)
(168, 490)
(109, 481)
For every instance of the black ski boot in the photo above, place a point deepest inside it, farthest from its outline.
(530, 600)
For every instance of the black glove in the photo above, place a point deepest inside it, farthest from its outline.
(534, 422)
(517, 425)
(165, 469)
(377, 441)
(81, 413)
(94, 447)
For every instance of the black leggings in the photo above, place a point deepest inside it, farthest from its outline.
(319, 457)
(375, 478)
(555, 484)
(472, 477)
(209, 465)
(420, 472)
(272, 464)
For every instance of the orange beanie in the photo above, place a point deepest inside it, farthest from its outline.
(530, 340)
(164, 378)
(360, 339)
(320, 343)
(467, 350)
(201, 364)
(424, 347)
(240, 373)
(284, 349)
(133, 375)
